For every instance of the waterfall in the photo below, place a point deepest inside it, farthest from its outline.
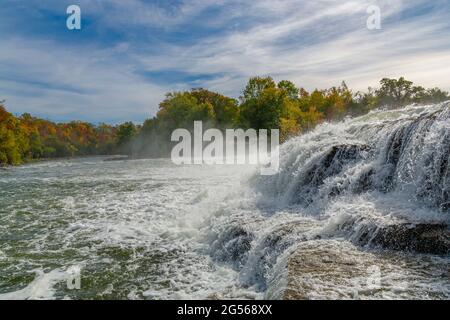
(405, 151)
(379, 180)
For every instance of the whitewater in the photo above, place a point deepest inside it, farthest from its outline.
(358, 210)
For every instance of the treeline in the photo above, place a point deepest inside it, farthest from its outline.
(25, 138)
(263, 104)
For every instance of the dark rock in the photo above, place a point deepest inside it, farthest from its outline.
(422, 238)
(331, 163)
(364, 182)
(232, 245)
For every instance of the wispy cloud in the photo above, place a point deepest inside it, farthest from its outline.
(129, 53)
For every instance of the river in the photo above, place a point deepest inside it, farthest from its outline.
(148, 229)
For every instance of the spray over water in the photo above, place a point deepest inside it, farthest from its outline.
(370, 193)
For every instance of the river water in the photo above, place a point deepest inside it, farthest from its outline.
(147, 229)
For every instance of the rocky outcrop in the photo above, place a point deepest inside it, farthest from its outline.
(428, 238)
(321, 269)
(329, 164)
(332, 269)
(423, 238)
(333, 162)
(232, 245)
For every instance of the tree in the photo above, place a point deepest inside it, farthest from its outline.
(105, 139)
(395, 93)
(124, 137)
(225, 109)
(264, 110)
(434, 95)
(181, 109)
(36, 146)
(289, 88)
(262, 105)
(255, 87)
(13, 142)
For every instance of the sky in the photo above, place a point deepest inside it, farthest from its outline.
(128, 54)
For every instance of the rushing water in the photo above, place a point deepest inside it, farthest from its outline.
(147, 229)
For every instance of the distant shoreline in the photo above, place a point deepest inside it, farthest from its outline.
(31, 161)
(108, 158)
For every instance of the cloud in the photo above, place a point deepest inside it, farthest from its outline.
(53, 81)
(130, 53)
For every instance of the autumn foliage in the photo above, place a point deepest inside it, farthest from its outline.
(24, 138)
(264, 104)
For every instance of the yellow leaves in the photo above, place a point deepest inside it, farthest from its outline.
(4, 115)
(12, 141)
(28, 137)
(309, 119)
(288, 128)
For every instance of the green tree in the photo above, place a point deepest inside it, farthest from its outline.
(264, 110)
(395, 93)
(255, 87)
(124, 137)
(36, 146)
(289, 88)
(181, 109)
(13, 142)
(225, 109)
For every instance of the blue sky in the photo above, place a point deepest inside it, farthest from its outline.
(128, 54)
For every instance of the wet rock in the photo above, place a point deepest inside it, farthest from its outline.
(318, 269)
(330, 164)
(422, 238)
(428, 238)
(364, 182)
(431, 171)
(333, 161)
(267, 250)
(332, 269)
(232, 245)
(434, 187)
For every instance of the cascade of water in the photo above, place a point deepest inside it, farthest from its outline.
(404, 151)
(380, 179)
